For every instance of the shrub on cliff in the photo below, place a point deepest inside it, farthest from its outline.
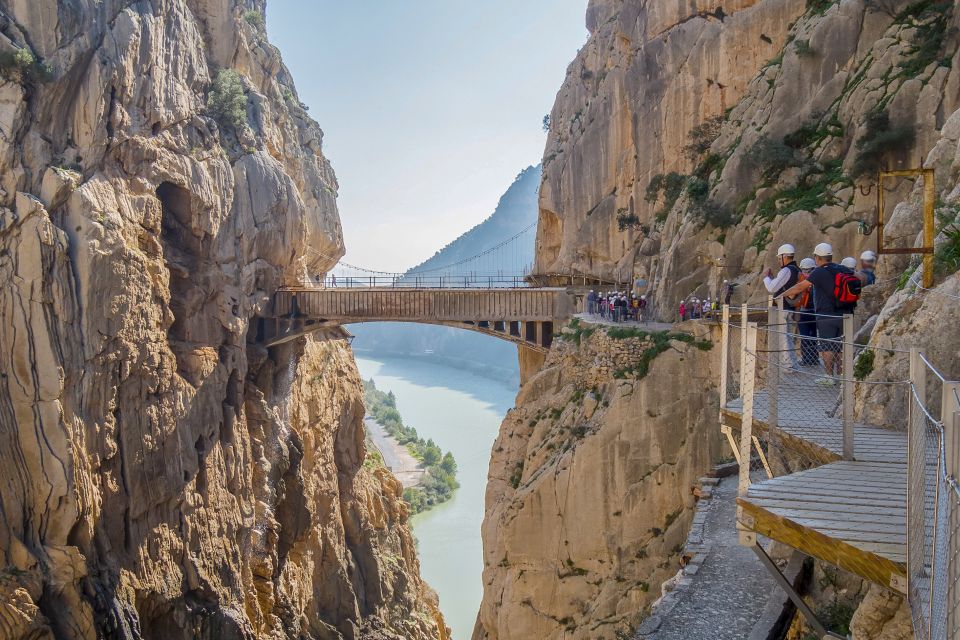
(22, 66)
(227, 102)
(879, 140)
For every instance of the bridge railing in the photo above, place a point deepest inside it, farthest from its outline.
(466, 281)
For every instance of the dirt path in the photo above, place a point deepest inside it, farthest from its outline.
(727, 594)
(396, 457)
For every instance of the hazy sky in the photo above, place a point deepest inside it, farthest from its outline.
(430, 108)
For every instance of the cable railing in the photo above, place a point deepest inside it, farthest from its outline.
(466, 281)
(795, 415)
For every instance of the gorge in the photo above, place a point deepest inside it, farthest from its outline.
(164, 473)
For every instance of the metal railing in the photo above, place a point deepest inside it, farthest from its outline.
(933, 502)
(794, 415)
(474, 281)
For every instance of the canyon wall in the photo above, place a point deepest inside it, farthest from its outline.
(589, 497)
(164, 476)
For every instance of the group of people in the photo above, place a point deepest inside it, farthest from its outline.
(617, 306)
(696, 309)
(817, 293)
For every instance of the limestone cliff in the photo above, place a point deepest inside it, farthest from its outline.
(163, 476)
(589, 496)
(689, 141)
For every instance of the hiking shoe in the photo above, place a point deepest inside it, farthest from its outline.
(826, 381)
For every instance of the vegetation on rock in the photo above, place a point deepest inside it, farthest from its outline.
(227, 103)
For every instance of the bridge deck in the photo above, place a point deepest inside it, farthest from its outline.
(849, 513)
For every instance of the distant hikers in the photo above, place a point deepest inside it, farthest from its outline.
(868, 264)
(592, 302)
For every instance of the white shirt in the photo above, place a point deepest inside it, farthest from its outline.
(773, 284)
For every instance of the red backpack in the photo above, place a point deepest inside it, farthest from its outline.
(846, 288)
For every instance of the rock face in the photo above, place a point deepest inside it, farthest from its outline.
(688, 142)
(163, 476)
(590, 490)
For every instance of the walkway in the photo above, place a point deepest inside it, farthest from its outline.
(728, 591)
(594, 318)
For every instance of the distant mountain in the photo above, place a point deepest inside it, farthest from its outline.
(516, 211)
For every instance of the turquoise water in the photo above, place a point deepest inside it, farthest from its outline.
(462, 412)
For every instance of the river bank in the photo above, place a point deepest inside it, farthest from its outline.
(396, 456)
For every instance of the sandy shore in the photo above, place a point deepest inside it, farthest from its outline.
(396, 457)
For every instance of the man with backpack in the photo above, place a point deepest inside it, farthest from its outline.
(835, 289)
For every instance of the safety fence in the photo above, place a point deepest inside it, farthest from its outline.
(795, 414)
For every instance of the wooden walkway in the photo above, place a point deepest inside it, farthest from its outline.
(852, 514)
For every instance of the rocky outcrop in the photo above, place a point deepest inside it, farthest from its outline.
(590, 495)
(687, 144)
(163, 476)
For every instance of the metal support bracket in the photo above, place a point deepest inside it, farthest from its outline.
(795, 597)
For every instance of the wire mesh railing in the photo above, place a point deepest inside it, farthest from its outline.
(807, 400)
(465, 281)
(933, 502)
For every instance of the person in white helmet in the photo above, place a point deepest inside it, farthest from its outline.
(788, 276)
(806, 321)
(868, 263)
(643, 309)
(824, 281)
(592, 302)
(849, 262)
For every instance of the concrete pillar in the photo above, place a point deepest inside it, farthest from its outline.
(530, 362)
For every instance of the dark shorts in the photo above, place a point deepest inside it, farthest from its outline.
(830, 332)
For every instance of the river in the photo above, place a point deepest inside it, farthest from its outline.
(462, 412)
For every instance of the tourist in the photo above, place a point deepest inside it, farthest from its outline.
(642, 313)
(868, 264)
(849, 262)
(613, 307)
(806, 321)
(786, 278)
(683, 311)
(591, 302)
(826, 280)
(602, 305)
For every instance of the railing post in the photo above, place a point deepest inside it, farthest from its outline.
(724, 356)
(747, 379)
(848, 384)
(744, 321)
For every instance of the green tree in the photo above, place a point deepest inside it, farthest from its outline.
(449, 465)
(227, 102)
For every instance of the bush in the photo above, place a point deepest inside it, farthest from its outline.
(256, 20)
(697, 189)
(803, 48)
(771, 157)
(546, 123)
(22, 66)
(930, 19)
(946, 260)
(627, 220)
(227, 102)
(879, 141)
(702, 137)
(714, 213)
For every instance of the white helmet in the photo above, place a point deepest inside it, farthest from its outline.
(643, 297)
(823, 249)
(849, 262)
(786, 250)
(808, 263)
(868, 256)
(725, 281)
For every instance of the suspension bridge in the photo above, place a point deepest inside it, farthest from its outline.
(491, 292)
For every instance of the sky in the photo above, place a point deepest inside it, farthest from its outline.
(430, 108)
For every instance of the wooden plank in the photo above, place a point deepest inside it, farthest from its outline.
(864, 562)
